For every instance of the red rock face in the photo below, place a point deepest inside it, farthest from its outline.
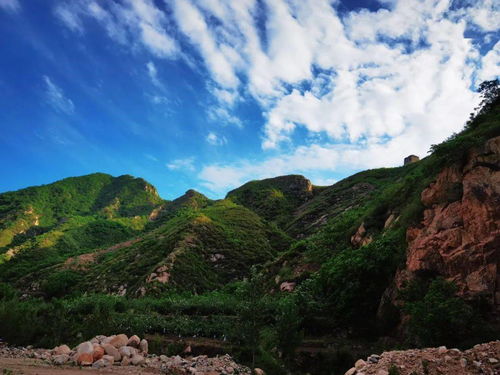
(459, 237)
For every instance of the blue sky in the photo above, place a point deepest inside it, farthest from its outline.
(209, 94)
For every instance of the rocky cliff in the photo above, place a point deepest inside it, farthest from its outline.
(459, 236)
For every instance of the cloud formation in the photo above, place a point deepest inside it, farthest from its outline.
(216, 140)
(56, 98)
(182, 164)
(131, 22)
(365, 87)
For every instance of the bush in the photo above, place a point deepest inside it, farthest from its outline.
(352, 283)
(61, 283)
(437, 315)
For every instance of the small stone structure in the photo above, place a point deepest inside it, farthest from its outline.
(411, 159)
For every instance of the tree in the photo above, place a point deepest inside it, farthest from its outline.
(251, 315)
(490, 97)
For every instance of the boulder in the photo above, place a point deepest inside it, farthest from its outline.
(98, 352)
(100, 364)
(84, 359)
(125, 361)
(112, 351)
(127, 351)
(351, 371)
(442, 350)
(258, 371)
(85, 347)
(60, 359)
(134, 341)
(137, 360)
(119, 340)
(62, 349)
(359, 364)
(107, 340)
(109, 359)
(100, 338)
(143, 346)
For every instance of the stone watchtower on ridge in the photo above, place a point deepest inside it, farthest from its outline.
(411, 159)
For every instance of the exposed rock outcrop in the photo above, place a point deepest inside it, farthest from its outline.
(459, 237)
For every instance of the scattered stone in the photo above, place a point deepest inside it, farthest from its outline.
(258, 371)
(351, 371)
(137, 360)
(463, 362)
(85, 347)
(125, 361)
(134, 341)
(84, 359)
(442, 350)
(127, 351)
(111, 350)
(492, 360)
(107, 340)
(359, 364)
(100, 364)
(98, 352)
(382, 372)
(119, 340)
(63, 349)
(143, 346)
(109, 359)
(60, 359)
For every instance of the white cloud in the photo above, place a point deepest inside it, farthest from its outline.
(490, 64)
(217, 56)
(10, 5)
(216, 140)
(56, 98)
(483, 14)
(182, 164)
(132, 22)
(153, 74)
(223, 114)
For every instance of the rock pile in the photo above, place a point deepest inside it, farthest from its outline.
(120, 350)
(481, 359)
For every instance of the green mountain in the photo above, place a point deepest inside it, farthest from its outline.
(291, 276)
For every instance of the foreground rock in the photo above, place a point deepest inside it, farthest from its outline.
(481, 359)
(107, 352)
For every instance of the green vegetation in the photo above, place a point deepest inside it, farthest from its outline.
(99, 255)
(439, 317)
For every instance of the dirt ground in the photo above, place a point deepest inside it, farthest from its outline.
(28, 366)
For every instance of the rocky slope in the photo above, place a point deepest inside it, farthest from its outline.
(459, 236)
(481, 359)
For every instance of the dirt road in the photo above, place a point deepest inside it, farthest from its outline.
(28, 366)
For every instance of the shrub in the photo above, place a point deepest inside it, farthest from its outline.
(437, 315)
(61, 283)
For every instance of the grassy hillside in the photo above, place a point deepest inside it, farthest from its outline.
(37, 209)
(274, 199)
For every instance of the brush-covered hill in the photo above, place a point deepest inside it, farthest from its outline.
(119, 237)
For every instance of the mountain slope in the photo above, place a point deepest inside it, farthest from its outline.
(274, 199)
